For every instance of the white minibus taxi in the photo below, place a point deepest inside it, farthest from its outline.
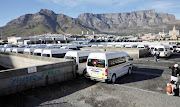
(28, 51)
(38, 52)
(107, 66)
(80, 58)
(8, 50)
(56, 53)
(18, 50)
(164, 50)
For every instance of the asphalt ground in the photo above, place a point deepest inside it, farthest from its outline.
(144, 87)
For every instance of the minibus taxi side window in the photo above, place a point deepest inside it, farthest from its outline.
(58, 55)
(83, 59)
(116, 61)
(46, 55)
(161, 49)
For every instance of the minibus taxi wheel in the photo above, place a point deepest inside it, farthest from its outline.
(85, 74)
(113, 79)
(129, 70)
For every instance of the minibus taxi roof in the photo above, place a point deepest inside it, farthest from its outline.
(17, 49)
(80, 53)
(29, 49)
(108, 55)
(38, 50)
(55, 51)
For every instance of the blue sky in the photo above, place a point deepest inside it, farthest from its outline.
(12, 9)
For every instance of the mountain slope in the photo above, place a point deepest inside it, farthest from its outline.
(46, 21)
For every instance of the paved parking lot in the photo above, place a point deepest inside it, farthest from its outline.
(145, 87)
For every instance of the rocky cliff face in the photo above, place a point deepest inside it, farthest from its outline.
(117, 23)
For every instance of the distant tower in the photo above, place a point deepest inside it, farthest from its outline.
(87, 32)
(174, 33)
(82, 32)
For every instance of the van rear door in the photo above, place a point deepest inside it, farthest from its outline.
(96, 68)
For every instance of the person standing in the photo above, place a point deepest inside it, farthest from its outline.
(175, 73)
(158, 53)
(155, 57)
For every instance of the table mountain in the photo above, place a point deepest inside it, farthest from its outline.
(46, 21)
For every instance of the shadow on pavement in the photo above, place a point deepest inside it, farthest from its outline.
(140, 74)
(173, 56)
(38, 95)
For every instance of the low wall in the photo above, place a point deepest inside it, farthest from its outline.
(11, 60)
(133, 52)
(15, 80)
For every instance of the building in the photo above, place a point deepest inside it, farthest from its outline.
(174, 34)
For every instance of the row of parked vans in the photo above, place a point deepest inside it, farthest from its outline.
(122, 46)
(96, 65)
(164, 50)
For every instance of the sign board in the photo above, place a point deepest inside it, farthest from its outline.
(32, 69)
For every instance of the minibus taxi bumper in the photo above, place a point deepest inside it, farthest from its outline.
(102, 79)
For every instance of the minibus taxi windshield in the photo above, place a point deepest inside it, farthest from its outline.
(96, 63)
(46, 55)
(161, 49)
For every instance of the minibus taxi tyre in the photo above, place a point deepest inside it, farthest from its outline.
(129, 71)
(113, 79)
(85, 73)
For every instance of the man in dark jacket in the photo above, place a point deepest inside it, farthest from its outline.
(175, 73)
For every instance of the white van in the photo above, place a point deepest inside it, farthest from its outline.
(57, 53)
(140, 46)
(2, 49)
(8, 50)
(28, 51)
(118, 46)
(110, 46)
(107, 66)
(81, 58)
(151, 49)
(38, 52)
(18, 50)
(101, 46)
(164, 50)
(128, 46)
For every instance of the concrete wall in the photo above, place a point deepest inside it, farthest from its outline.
(11, 60)
(15, 80)
(133, 52)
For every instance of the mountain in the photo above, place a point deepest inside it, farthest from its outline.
(46, 21)
(134, 22)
